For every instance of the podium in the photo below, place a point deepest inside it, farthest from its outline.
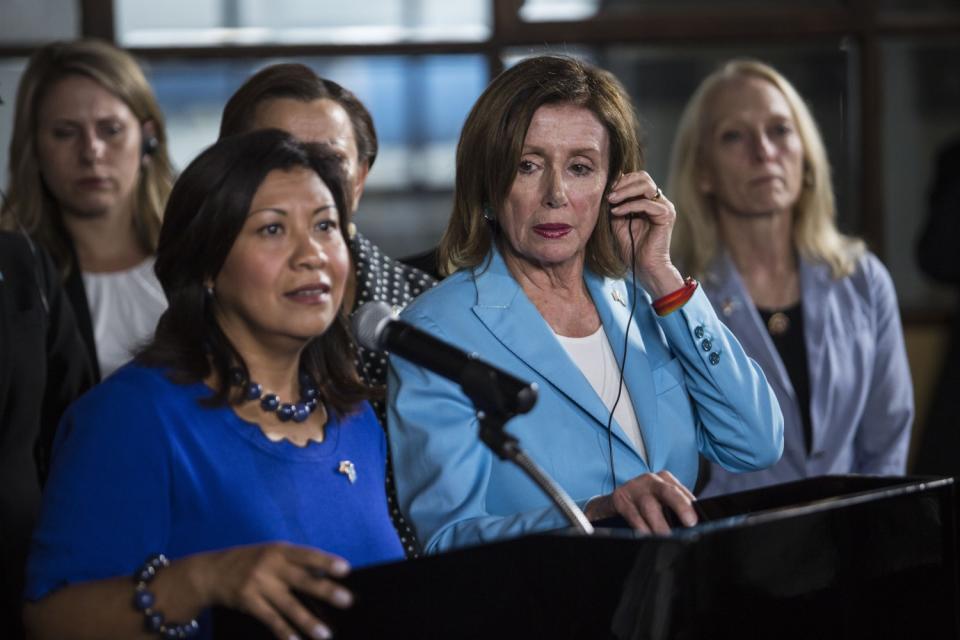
(829, 557)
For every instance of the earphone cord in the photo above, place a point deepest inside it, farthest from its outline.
(623, 360)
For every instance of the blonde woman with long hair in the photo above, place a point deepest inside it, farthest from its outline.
(89, 177)
(750, 176)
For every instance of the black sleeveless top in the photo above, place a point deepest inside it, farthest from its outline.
(786, 330)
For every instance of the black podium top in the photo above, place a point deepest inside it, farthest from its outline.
(830, 557)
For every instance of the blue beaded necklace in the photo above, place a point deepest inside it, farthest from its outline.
(286, 411)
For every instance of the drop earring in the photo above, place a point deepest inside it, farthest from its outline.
(488, 213)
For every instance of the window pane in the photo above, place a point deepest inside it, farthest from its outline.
(921, 119)
(560, 10)
(661, 79)
(10, 71)
(214, 22)
(38, 21)
(418, 106)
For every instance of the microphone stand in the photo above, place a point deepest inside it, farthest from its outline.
(493, 411)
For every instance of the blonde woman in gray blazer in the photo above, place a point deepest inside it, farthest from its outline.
(818, 312)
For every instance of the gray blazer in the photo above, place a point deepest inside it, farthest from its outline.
(861, 395)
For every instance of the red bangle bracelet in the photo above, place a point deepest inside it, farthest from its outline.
(676, 299)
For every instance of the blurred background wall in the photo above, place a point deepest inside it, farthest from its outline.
(882, 78)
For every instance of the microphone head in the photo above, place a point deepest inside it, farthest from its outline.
(369, 323)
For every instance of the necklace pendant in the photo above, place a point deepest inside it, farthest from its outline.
(728, 306)
(778, 324)
(348, 469)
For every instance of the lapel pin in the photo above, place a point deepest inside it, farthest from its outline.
(346, 468)
(618, 298)
(727, 306)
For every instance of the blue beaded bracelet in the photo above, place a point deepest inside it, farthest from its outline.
(143, 601)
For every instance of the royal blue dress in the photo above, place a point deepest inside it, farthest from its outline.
(140, 467)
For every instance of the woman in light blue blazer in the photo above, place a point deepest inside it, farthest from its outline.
(636, 375)
(818, 312)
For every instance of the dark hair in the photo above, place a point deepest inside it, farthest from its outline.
(207, 209)
(492, 141)
(298, 82)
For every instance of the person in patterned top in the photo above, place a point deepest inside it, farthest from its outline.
(293, 98)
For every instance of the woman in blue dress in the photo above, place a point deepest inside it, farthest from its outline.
(239, 443)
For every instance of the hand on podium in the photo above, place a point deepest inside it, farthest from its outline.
(645, 501)
(261, 580)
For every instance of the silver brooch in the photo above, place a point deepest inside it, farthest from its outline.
(346, 468)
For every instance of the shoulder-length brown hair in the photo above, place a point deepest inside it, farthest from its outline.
(491, 144)
(696, 238)
(30, 205)
(207, 209)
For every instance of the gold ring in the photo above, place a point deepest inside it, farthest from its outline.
(657, 195)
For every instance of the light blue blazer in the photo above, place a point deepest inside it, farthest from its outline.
(693, 389)
(861, 395)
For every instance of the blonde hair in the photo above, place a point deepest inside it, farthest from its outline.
(696, 238)
(492, 141)
(30, 205)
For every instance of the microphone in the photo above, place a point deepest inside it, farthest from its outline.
(491, 389)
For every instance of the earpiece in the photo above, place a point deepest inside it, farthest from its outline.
(150, 145)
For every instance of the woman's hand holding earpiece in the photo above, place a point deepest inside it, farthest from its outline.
(638, 205)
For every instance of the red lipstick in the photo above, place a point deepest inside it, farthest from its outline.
(552, 230)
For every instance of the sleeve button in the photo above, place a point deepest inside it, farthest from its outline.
(706, 345)
(714, 358)
(698, 332)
